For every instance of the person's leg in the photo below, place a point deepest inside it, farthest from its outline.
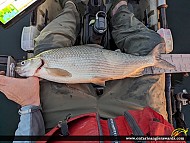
(132, 37)
(61, 32)
(59, 100)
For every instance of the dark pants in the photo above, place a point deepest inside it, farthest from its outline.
(131, 36)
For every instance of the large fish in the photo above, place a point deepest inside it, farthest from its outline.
(89, 64)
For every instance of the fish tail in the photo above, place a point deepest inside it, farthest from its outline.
(158, 62)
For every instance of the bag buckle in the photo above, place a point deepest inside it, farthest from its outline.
(64, 126)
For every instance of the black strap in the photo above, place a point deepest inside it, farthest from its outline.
(134, 126)
(99, 126)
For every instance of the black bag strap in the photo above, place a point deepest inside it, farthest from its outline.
(133, 124)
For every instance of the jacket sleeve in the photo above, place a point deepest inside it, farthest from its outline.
(31, 123)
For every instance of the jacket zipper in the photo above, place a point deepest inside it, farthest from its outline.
(113, 130)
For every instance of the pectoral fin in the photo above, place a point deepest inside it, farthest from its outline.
(58, 72)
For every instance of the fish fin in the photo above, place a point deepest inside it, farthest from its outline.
(137, 73)
(158, 50)
(95, 46)
(118, 50)
(158, 62)
(100, 83)
(58, 72)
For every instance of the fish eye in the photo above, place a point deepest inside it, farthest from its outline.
(22, 63)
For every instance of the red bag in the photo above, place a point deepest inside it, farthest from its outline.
(144, 122)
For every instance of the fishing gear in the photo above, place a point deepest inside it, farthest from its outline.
(95, 24)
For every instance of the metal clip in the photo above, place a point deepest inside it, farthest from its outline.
(100, 25)
(180, 98)
(12, 69)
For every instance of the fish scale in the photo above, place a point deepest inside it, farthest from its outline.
(92, 62)
(88, 64)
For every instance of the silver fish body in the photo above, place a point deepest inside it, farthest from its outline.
(88, 64)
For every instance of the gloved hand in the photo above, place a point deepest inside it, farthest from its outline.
(22, 91)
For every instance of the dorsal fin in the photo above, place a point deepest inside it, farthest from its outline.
(95, 46)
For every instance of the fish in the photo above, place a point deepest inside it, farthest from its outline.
(89, 64)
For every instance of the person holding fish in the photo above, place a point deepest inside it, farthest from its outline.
(70, 71)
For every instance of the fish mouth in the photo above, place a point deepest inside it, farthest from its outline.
(19, 71)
